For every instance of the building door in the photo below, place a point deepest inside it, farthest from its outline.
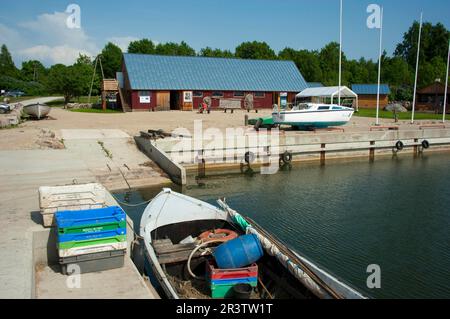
(188, 100)
(276, 98)
(163, 100)
(175, 101)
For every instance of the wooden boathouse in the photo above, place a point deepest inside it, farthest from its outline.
(154, 82)
(431, 98)
(367, 95)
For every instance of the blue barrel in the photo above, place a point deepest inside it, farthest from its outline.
(239, 252)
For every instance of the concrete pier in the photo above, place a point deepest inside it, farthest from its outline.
(179, 155)
(113, 158)
(23, 240)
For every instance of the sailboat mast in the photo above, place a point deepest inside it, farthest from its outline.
(417, 69)
(379, 68)
(446, 84)
(340, 54)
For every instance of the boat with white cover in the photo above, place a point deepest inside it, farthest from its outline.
(171, 227)
(312, 115)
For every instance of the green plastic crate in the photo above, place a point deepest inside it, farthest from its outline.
(99, 241)
(226, 290)
(93, 228)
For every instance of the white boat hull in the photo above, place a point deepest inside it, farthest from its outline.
(171, 208)
(319, 119)
(38, 111)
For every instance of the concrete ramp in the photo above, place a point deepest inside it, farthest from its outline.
(113, 158)
(78, 134)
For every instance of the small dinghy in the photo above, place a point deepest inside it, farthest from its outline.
(37, 110)
(199, 251)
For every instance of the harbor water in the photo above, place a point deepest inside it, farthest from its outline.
(345, 216)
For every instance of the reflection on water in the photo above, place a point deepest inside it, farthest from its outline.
(345, 216)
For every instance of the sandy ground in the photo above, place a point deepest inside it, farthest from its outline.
(27, 135)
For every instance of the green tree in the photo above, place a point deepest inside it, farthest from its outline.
(59, 81)
(7, 66)
(111, 60)
(434, 43)
(144, 46)
(215, 53)
(33, 70)
(431, 71)
(356, 72)
(329, 63)
(71, 81)
(255, 50)
(171, 48)
(396, 72)
(82, 71)
(307, 62)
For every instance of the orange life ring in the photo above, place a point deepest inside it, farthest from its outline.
(218, 234)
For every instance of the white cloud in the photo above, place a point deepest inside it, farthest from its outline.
(52, 30)
(56, 43)
(9, 36)
(57, 54)
(48, 39)
(122, 42)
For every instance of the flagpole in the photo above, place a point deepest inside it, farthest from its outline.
(379, 68)
(417, 69)
(446, 84)
(340, 54)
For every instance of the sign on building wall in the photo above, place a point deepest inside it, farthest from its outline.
(144, 97)
(187, 96)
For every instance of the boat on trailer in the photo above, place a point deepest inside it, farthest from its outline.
(173, 227)
(312, 115)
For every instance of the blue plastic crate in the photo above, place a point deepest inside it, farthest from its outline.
(89, 217)
(253, 281)
(91, 236)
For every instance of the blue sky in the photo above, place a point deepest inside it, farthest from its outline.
(37, 28)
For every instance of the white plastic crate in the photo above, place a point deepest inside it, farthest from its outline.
(53, 199)
(63, 253)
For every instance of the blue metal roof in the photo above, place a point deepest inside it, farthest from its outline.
(371, 89)
(315, 84)
(156, 72)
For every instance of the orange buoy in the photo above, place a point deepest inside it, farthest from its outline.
(218, 234)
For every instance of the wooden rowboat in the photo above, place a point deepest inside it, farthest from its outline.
(37, 110)
(172, 226)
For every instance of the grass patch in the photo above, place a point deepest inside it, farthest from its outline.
(95, 110)
(9, 127)
(401, 116)
(56, 103)
(85, 99)
(107, 152)
(18, 99)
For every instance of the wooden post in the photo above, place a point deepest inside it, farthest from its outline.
(322, 156)
(372, 152)
(201, 165)
(104, 101)
(416, 148)
(246, 120)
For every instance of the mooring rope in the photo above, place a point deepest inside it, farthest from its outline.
(131, 205)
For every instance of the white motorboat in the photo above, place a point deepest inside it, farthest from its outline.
(311, 115)
(173, 227)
